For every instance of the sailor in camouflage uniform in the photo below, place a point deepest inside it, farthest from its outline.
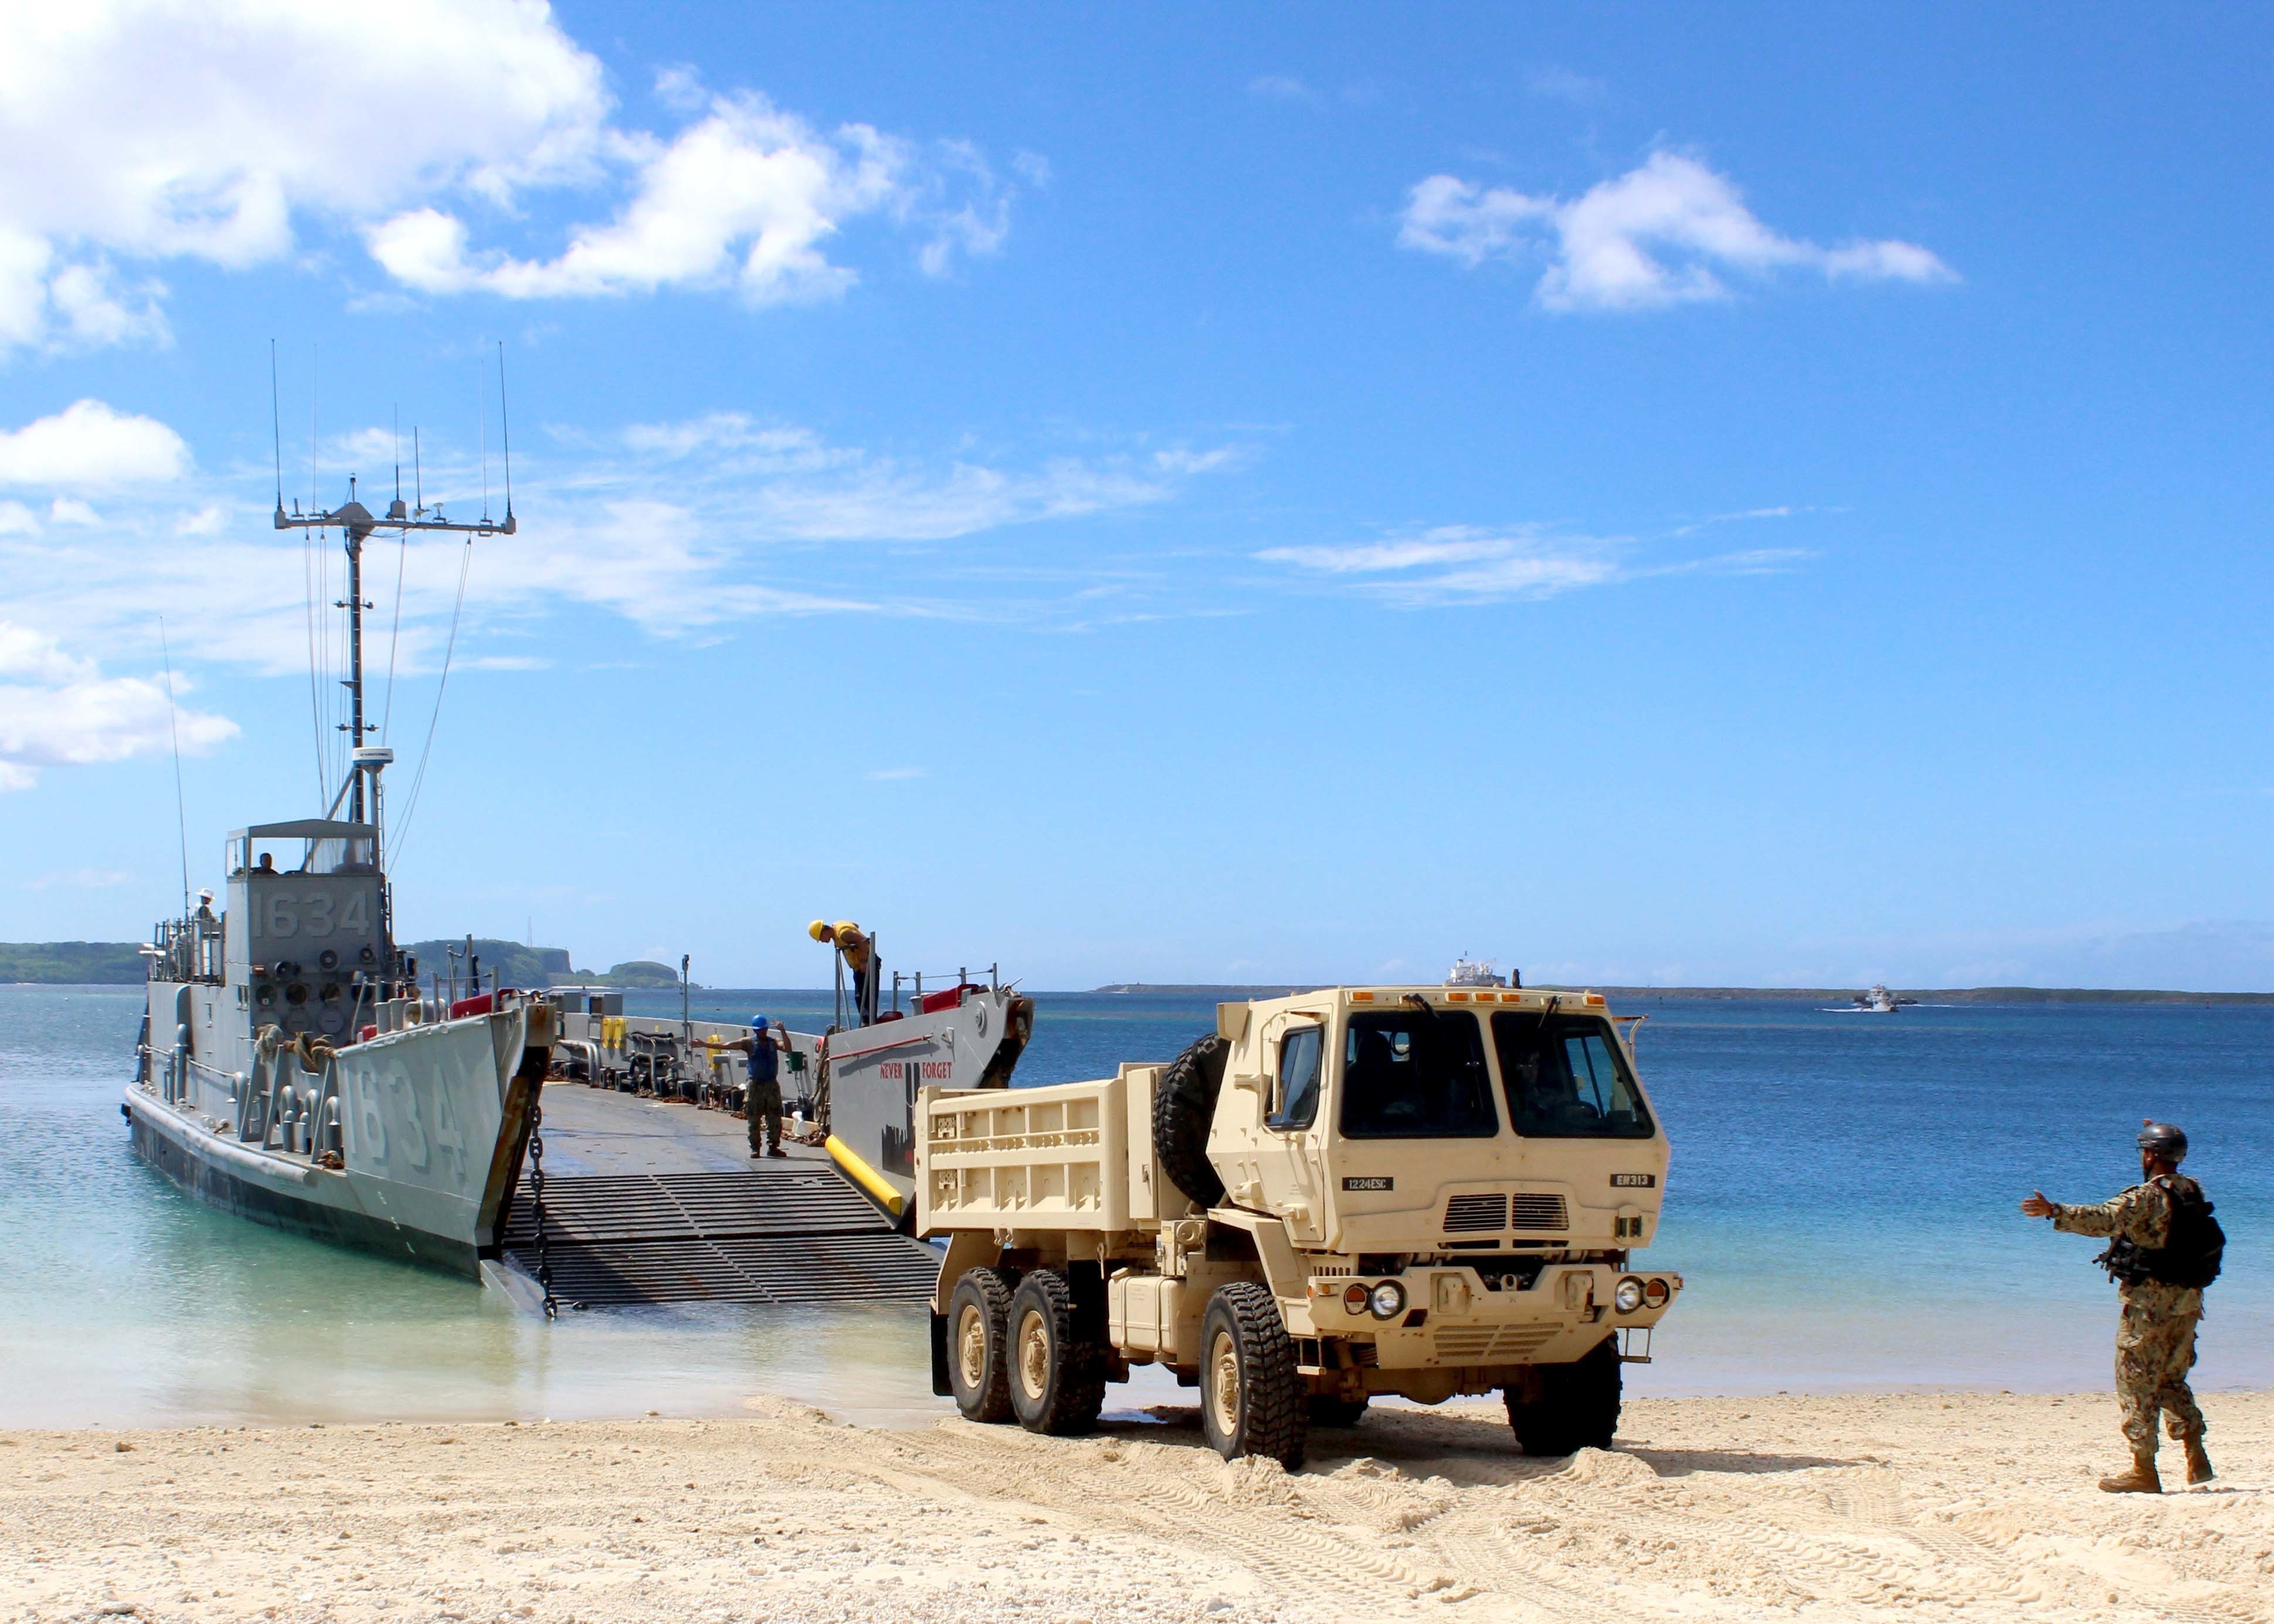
(2156, 1336)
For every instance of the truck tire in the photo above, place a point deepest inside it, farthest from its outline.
(1578, 1406)
(1325, 1411)
(1252, 1398)
(978, 1333)
(1184, 1107)
(1056, 1373)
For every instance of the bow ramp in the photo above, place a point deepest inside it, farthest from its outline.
(647, 1202)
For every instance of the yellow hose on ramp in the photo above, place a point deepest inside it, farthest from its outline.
(862, 1174)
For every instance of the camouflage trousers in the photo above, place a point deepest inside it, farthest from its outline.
(2155, 1350)
(762, 1105)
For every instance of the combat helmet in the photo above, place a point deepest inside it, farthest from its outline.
(2162, 1139)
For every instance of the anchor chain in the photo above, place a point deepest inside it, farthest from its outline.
(536, 1207)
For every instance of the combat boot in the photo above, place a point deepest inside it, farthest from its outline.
(2141, 1480)
(2199, 1466)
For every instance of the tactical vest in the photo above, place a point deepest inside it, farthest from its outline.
(2193, 1250)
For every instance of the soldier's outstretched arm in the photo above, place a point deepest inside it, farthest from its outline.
(2139, 1215)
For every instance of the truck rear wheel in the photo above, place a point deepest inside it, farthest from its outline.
(1251, 1397)
(1576, 1407)
(1058, 1374)
(978, 1321)
(1183, 1108)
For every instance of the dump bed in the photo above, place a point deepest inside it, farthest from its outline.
(1068, 1156)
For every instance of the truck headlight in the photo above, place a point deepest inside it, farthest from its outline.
(1387, 1300)
(1656, 1293)
(1628, 1298)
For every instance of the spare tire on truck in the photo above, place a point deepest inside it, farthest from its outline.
(1184, 1106)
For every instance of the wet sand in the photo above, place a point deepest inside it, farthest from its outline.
(1964, 1505)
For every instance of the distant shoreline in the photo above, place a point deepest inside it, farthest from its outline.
(1795, 994)
(119, 964)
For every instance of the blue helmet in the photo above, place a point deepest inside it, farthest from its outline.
(757, 1023)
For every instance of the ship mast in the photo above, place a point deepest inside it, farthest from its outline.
(356, 523)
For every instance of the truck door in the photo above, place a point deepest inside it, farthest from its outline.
(1294, 1165)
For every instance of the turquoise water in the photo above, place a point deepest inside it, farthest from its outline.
(1841, 1202)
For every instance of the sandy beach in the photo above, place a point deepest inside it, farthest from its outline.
(1963, 1506)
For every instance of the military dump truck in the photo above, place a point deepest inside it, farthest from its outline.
(1413, 1191)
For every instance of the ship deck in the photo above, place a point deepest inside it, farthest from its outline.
(649, 1201)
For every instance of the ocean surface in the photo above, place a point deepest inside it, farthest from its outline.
(1842, 1203)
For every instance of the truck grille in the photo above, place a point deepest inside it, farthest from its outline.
(1466, 1212)
(1538, 1212)
(1492, 1345)
(1467, 1215)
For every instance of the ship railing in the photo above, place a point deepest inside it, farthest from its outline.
(295, 1118)
(962, 978)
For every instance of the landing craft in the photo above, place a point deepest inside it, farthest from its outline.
(289, 1069)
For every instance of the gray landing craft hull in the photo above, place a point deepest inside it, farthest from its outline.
(434, 1123)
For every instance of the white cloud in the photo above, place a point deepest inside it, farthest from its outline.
(224, 135)
(671, 526)
(1665, 233)
(1456, 564)
(71, 510)
(56, 710)
(87, 445)
(741, 199)
(892, 775)
(168, 130)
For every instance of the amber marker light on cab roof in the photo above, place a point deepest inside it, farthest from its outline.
(1362, 997)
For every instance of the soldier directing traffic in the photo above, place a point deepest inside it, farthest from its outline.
(762, 1104)
(2165, 1247)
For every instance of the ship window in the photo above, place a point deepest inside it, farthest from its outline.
(1296, 1096)
(350, 856)
(1416, 1073)
(1567, 1078)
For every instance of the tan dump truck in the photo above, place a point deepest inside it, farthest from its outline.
(1417, 1191)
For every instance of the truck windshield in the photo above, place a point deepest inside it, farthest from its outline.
(1566, 1079)
(1415, 1074)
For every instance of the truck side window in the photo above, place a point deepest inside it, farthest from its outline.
(1295, 1098)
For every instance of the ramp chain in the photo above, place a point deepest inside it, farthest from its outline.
(536, 1207)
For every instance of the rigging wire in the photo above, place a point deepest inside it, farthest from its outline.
(308, 581)
(418, 778)
(174, 730)
(402, 552)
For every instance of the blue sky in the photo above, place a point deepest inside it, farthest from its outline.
(1644, 493)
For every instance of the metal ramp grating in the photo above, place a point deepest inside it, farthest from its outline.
(772, 1235)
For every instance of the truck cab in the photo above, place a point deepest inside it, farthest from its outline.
(1382, 1119)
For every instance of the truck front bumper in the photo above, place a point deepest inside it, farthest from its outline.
(1457, 1317)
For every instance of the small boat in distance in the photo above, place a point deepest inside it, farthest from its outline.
(1468, 972)
(1877, 1000)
